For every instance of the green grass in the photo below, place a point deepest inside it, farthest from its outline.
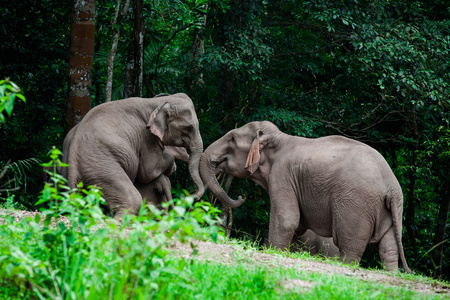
(209, 280)
(107, 264)
(84, 261)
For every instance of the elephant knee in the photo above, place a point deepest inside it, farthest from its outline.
(281, 233)
(283, 229)
(120, 206)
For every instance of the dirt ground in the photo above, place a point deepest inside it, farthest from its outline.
(229, 254)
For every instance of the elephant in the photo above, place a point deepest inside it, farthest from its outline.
(337, 187)
(133, 141)
(157, 191)
(316, 244)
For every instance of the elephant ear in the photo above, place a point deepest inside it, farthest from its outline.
(252, 163)
(158, 120)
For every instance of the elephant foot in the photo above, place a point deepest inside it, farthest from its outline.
(388, 250)
(389, 259)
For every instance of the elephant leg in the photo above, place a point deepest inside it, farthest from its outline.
(284, 219)
(120, 194)
(164, 189)
(147, 191)
(351, 234)
(351, 249)
(157, 191)
(388, 250)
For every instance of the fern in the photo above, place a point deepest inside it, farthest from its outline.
(14, 174)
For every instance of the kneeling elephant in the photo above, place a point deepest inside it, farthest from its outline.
(124, 143)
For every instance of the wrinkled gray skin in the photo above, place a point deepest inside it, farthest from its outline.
(315, 244)
(335, 186)
(308, 240)
(122, 142)
(156, 192)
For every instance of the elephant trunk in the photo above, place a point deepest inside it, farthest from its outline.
(208, 170)
(196, 150)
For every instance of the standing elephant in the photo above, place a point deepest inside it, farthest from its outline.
(335, 186)
(120, 143)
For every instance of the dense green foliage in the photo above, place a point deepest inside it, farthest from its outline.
(88, 255)
(8, 93)
(377, 71)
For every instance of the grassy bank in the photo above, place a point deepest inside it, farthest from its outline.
(71, 250)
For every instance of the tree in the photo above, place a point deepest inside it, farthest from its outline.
(133, 82)
(116, 33)
(138, 36)
(377, 71)
(82, 36)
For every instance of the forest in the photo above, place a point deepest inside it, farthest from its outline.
(375, 71)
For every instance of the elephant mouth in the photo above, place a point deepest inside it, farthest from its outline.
(220, 165)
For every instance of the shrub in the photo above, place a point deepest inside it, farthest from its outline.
(75, 252)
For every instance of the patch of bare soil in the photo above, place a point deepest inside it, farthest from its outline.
(229, 254)
(21, 214)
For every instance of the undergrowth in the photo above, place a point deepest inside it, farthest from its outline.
(90, 256)
(211, 280)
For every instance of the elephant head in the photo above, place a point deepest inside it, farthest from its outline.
(237, 153)
(174, 122)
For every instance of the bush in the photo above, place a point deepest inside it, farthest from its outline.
(9, 91)
(73, 251)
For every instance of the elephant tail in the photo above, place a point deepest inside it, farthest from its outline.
(395, 201)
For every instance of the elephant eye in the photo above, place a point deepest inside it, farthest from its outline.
(188, 128)
(231, 139)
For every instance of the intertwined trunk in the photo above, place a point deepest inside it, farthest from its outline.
(196, 151)
(82, 34)
(208, 171)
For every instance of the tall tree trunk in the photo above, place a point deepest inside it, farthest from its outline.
(112, 54)
(82, 34)
(411, 199)
(138, 47)
(194, 78)
(128, 85)
(441, 224)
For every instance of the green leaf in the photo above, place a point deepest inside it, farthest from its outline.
(180, 210)
(22, 97)
(9, 105)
